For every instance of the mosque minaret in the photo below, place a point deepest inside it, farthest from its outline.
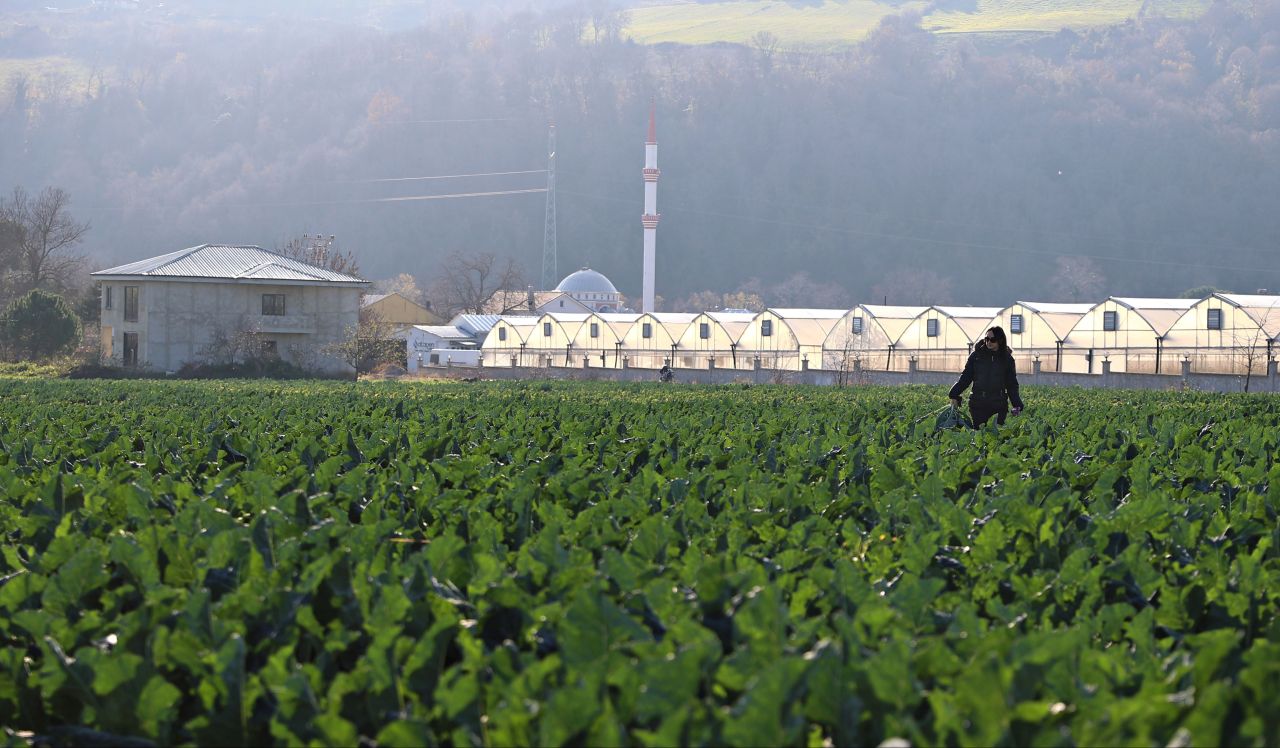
(650, 217)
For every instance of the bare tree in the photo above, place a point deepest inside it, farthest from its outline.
(800, 290)
(404, 284)
(912, 288)
(368, 345)
(40, 236)
(231, 345)
(846, 361)
(1253, 348)
(712, 301)
(468, 282)
(766, 45)
(320, 251)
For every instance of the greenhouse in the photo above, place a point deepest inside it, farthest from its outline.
(653, 338)
(941, 337)
(867, 335)
(507, 342)
(1123, 334)
(1036, 331)
(597, 341)
(788, 338)
(714, 335)
(1223, 333)
(1228, 333)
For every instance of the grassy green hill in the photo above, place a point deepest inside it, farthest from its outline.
(839, 22)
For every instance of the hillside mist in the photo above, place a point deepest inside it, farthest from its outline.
(1140, 159)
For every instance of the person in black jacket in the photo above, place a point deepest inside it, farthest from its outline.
(991, 371)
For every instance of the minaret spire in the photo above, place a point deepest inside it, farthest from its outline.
(650, 218)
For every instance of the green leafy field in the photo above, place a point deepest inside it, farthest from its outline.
(567, 563)
(835, 23)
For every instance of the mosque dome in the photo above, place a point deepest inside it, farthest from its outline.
(586, 280)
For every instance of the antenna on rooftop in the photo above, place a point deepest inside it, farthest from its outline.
(549, 231)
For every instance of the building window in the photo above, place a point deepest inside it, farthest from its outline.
(1110, 321)
(130, 344)
(766, 328)
(273, 305)
(857, 325)
(106, 297)
(1015, 324)
(1215, 319)
(130, 303)
(704, 330)
(502, 333)
(546, 329)
(646, 330)
(595, 330)
(931, 328)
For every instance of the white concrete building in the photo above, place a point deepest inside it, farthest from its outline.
(438, 345)
(170, 310)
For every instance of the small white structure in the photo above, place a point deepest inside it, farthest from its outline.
(507, 303)
(591, 289)
(166, 311)
(438, 345)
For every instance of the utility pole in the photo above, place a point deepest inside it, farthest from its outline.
(549, 274)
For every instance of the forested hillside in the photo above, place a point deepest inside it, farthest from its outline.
(1140, 159)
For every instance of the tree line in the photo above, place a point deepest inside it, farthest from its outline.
(1139, 159)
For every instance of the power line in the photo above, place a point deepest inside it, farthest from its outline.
(929, 240)
(450, 121)
(438, 176)
(1084, 235)
(409, 198)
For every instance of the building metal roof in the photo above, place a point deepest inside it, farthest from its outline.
(447, 332)
(476, 324)
(809, 313)
(970, 312)
(1047, 307)
(1142, 303)
(673, 318)
(731, 317)
(1263, 309)
(229, 262)
(894, 312)
(1060, 318)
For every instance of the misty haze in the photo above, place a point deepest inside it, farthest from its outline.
(910, 166)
